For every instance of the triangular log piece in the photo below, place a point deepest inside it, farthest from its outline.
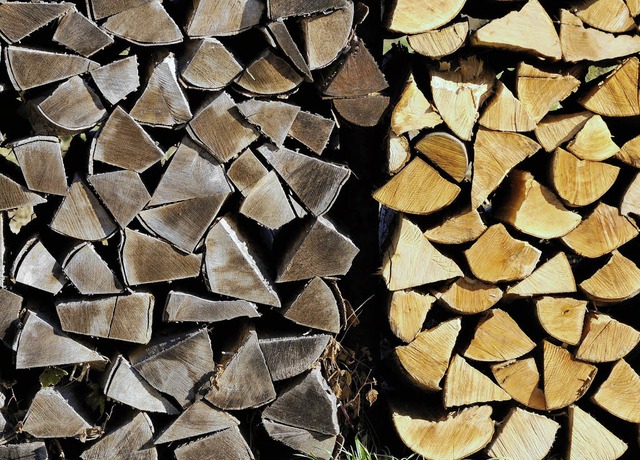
(414, 111)
(411, 260)
(605, 339)
(81, 215)
(72, 107)
(362, 111)
(81, 35)
(441, 42)
(246, 171)
(631, 199)
(552, 277)
(467, 296)
(2, 248)
(40, 160)
(267, 203)
(198, 419)
(234, 266)
(187, 358)
(523, 434)
(278, 34)
(495, 154)
(464, 384)
(617, 95)
(326, 35)
(220, 128)
(608, 15)
(127, 318)
(318, 445)
(617, 280)
(149, 260)
(504, 112)
(515, 261)
(580, 43)
(55, 414)
(562, 317)
(29, 68)
(425, 360)
(123, 143)
(589, 439)
(41, 344)
(273, 118)
(458, 93)
(289, 355)
(208, 65)
(398, 152)
(417, 189)
(285, 8)
(131, 439)
(498, 338)
(11, 307)
(163, 102)
(618, 395)
(460, 228)
(630, 152)
(122, 383)
(232, 18)
(88, 272)
(19, 19)
(225, 444)
(555, 130)
(416, 16)
(312, 130)
(25, 450)
(565, 378)
(539, 90)
(245, 381)
(118, 79)
(454, 435)
(407, 312)
(634, 7)
(314, 306)
(318, 249)
(14, 195)
(593, 141)
(159, 28)
(447, 152)
(35, 266)
(521, 379)
(315, 182)
(529, 30)
(182, 306)
(101, 9)
(269, 75)
(122, 192)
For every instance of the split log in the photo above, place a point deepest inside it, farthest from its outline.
(562, 317)
(398, 152)
(407, 312)
(233, 18)
(282, 37)
(447, 152)
(246, 171)
(634, 7)
(565, 378)
(605, 339)
(288, 355)
(273, 118)
(555, 130)
(12, 305)
(34, 266)
(208, 65)
(552, 277)
(467, 296)
(26, 450)
(312, 130)
(267, 203)
(413, 110)
(593, 141)
(630, 152)
(583, 428)
(318, 445)
(457, 229)
(20, 19)
(277, 9)
(521, 379)
(617, 280)
(326, 35)
(415, 16)
(464, 385)
(101, 9)
(122, 192)
(498, 338)
(314, 306)
(504, 112)
(616, 96)
(269, 75)
(81, 35)
(130, 439)
(631, 199)
(362, 111)
(159, 29)
(118, 79)
(618, 395)
(197, 419)
(88, 272)
(40, 160)
(181, 306)
(56, 414)
(14, 195)
(227, 443)
(440, 42)
(608, 15)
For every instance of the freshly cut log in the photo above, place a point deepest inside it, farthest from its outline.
(634, 7)
(122, 192)
(457, 229)
(565, 378)
(630, 152)
(617, 95)
(26, 450)
(411, 260)
(123, 384)
(12, 305)
(187, 358)
(181, 306)
(267, 203)
(425, 360)
(312, 130)
(273, 118)
(81, 35)
(55, 414)
(413, 111)
(289, 355)
(20, 19)
(159, 28)
(555, 130)
(227, 443)
(498, 338)
(605, 339)
(467, 296)
(516, 260)
(269, 75)
(14, 195)
(279, 32)
(441, 42)
(40, 160)
(617, 280)
(231, 18)
(618, 395)
(319, 445)
(364, 111)
(631, 199)
(246, 171)
(593, 141)
(523, 434)
(416, 16)
(584, 430)
(552, 277)
(118, 79)
(562, 317)
(530, 30)
(398, 152)
(326, 35)
(88, 272)
(208, 65)
(314, 306)
(101, 9)
(41, 344)
(504, 112)
(464, 385)
(521, 379)
(447, 152)
(277, 9)
(453, 435)
(407, 312)
(197, 419)
(608, 15)
(132, 438)
(35, 266)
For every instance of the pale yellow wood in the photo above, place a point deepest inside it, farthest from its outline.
(634, 7)
(620, 393)
(608, 15)
(398, 152)
(565, 378)
(441, 42)
(521, 379)
(630, 152)
(464, 384)
(415, 16)
(562, 317)
(552, 277)
(590, 440)
(606, 339)
(555, 130)
(447, 152)
(593, 141)
(467, 296)
(457, 229)
(504, 112)
(413, 110)
(617, 95)
(617, 280)
(407, 312)
(631, 199)
(498, 338)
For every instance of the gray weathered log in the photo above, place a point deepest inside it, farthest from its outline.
(122, 192)
(11, 306)
(273, 118)
(101, 9)
(286, 8)
(232, 17)
(35, 266)
(14, 195)
(88, 272)
(182, 306)
(198, 419)
(246, 171)
(318, 445)
(267, 203)
(20, 19)
(145, 25)
(227, 444)
(56, 414)
(81, 35)
(287, 44)
(208, 65)
(314, 131)
(326, 35)
(314, 306)
(25, 451)
(118, 79)
(290, 355)
(133, 440)
(269, 75)
(362, 111)
(40, 159)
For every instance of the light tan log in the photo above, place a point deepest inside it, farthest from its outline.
(606, 339)
(593, 141)
(608, 15)
(467, 296)
(441, 42)
(565, 378)
(504, 112)
(457, 229)
(413, 110)
(584, 430)
(555, 130)
(498, 338)
(521, 379)
(447, 152)
(415, 16)
(618, 395)
(552, 277)
(464, 385)
(407, 312)
(562, 317)
(630, 152)
(617, 280)
(631, 199)
(617, 95)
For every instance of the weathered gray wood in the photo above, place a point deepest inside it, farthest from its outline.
(267, 203)
(269, 75)
(145, 25)
(208, 65)
(198, 419)
(182, 306)
(2, 250)
(290, 355)
(246, 171)
(285, 41)
(40, 160)
(124, 384)
(312, 130)
(24, 451)
(232, 17)
(101, 9)
(285, 8)
(176, 365)
(122, 192)
(128, 318)
(41, 344)
(233, 267)
(320, 446)
(14, 195)
(314, 306)
(245, 381)
(88, 272)
(56, 414)
(19, 19)
(81, 35)
(362, 111)
(118, 79)
(326, 35)
(146, 259)
(317, 250)
(81, 215)
(273, 118)
(228, 444)
(35, 266)
(219, 128)
(131, 440)
(11, 306)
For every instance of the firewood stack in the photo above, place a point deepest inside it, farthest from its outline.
(512, 261)
(180, 161)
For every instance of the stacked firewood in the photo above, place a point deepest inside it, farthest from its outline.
(512, 261)
(179, 161)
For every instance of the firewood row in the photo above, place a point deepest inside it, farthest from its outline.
(511, 256)
(170, 257)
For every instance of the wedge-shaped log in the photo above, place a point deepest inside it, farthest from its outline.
(197, 419)
(608, 15)
(159, 28)
(565, 378)
(447, 152)
(467, 296)
(321, 446)
(101, 9)
(415, 16)
(78, 33)
(27, 450)
(398, 152)
(35, 266)
(618, 395)
(279, 33)
(631, 199)
(630, 152)
(314, 306)
(617, 95)
(606, 339)
(20, 19)
(40, 159)
(14, 195)
(562, 317)
(441, 42)
(312, 130)
(413, 111)
(233, 18)
(122, 192)
(584, 430)
(182, 306)
(246, 171)
(521, 379)
(552, 277)
(227, 443)
(326, 35)
(617, 280)
(132, 438)
(364, 111)
(555, 130)
(407, 312)
(208, 65)
(504, 112)
(267, 203)
(593, 141)
(498, 338)
(12, 304)
(464, 385)
(88, 272)
(56, 414)
(273, 118)
(269, 75)
(289, 355)
(285, 8)
(118, 79)
(460, 228)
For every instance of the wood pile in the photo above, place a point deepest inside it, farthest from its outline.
(168, 248)
(511, 254)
